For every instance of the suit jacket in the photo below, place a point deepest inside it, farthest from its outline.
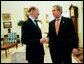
(31, 37)
(67, 37)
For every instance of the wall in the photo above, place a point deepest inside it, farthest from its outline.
(16, 9)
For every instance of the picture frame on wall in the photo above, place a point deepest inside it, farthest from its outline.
(7, 24)
(26, 13)
(6, 16)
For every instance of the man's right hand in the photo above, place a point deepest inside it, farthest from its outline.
(42, 40)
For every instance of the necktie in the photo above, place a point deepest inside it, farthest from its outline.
(36, 24)
(57, 25)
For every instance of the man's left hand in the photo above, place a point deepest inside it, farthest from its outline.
(75, 51)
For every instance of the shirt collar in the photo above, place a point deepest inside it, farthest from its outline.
(60, 18)
(31, 18)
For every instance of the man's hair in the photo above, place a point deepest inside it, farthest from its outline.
(58, 7)
(31, 9)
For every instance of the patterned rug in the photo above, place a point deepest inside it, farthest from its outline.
(47, 59)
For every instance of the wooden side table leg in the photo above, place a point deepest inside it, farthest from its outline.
(16, 45)
(6, 53)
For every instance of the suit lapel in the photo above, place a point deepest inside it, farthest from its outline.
(34, 26)
(54, 29)
(53, 26)
(61, 25)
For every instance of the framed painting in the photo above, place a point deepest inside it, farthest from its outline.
(6, 16)
(26, 13)
(7, 24)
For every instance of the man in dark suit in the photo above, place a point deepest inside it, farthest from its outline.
(32, 37)
(63, 39)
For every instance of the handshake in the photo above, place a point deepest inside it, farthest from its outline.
(43, 40)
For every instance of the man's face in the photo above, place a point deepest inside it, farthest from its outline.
(56, 13)
(36, 13)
